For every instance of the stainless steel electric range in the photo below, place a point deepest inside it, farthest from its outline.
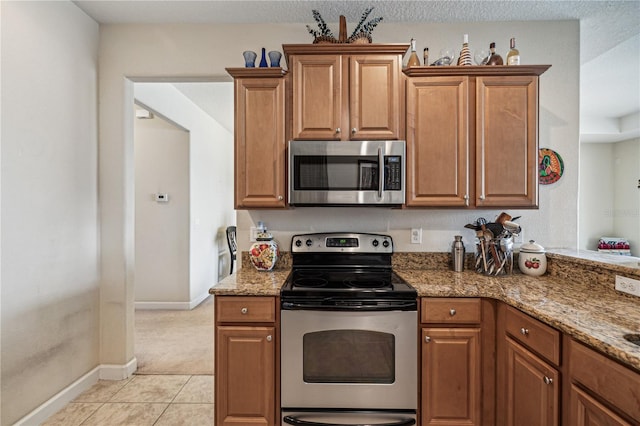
(349, 334)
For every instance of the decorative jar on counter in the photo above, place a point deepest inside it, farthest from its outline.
(532, 260)
(264, 252)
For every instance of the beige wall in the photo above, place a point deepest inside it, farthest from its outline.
(50, 271)
(203, 51)
(609, 195)
(161, 228)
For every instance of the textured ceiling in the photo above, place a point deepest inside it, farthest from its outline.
(609, 32)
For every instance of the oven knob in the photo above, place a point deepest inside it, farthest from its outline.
(309, 243)
(385, 243)
(375, 243)
(298, 243)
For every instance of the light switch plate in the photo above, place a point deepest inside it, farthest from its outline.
(628, 285)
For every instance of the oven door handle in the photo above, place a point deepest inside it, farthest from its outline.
(292, 420)
(405, 306)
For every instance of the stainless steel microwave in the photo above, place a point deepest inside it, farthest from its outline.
(346, 173)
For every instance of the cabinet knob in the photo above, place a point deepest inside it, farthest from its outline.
(524, 331)
(354, 131)
(338, 130)
(548, 380)
(269, 338)
(427, 339)
(244, 311)
(280, 197)
(452, 312)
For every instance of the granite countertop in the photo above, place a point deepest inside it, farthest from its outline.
(590, 312)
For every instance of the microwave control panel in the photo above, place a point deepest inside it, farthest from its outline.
(393, 173)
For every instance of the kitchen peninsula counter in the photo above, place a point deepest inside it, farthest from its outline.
(591, 312)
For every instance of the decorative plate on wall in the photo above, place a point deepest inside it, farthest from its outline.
(550, 166)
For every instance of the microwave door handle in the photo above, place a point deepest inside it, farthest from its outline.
(292, 420)
(380, 172)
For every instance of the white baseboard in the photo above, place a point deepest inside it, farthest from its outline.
(68, 394)
(118, 372)
(175, 306)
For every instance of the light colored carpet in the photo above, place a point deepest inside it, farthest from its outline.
(175, 342)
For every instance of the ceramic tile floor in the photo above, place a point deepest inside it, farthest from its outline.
(158, 400)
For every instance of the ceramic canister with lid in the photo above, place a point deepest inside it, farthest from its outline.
(264, 252)
(532, 260)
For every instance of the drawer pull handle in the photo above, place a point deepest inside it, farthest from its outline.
(427, 339)
(524, 331)
(452, 312)
(548, 380)
(269, 338)
(244, 311)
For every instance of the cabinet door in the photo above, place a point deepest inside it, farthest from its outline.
(437, 141)
(317, 97)
(451, 387)
(374, 97)
(532, 388)
(245, 376)
(259, 143)
(507, 141)
(587, 411)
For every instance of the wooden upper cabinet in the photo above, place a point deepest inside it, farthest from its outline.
(472, 136)
(260, 141)
(347, 92)
(375, 87)
(437, 141)
(507, 141)
(317, 100)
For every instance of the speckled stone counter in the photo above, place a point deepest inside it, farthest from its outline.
(576, 296)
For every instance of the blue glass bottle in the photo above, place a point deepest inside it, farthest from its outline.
(263, 61)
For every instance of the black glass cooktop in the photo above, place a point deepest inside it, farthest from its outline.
(350, 282)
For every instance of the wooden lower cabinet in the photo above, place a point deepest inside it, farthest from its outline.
(533, 396)
(451, 387)
(588, 411)
(245, 376)
(602, 391)
(246, 354)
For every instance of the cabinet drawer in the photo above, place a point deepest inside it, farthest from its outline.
(451, 310)
(535, 335)
(612, 382)
(245, 309)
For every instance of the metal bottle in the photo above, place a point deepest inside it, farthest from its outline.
(458, 254)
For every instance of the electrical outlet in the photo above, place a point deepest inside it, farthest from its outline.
(416, 235)
(628, 285)
(253, 234)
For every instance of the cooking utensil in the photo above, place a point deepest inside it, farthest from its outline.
(502, 217)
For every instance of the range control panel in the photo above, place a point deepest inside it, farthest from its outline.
(341, 242)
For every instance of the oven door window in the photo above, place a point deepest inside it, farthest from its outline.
(349, 356)
(336, 173)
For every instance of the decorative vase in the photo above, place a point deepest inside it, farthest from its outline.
(264, 252)
(263, 61)
(249, 58)
(274, 58)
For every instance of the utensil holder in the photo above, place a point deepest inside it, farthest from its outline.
(494, 256)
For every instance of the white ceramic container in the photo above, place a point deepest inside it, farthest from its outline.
(532, 260)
